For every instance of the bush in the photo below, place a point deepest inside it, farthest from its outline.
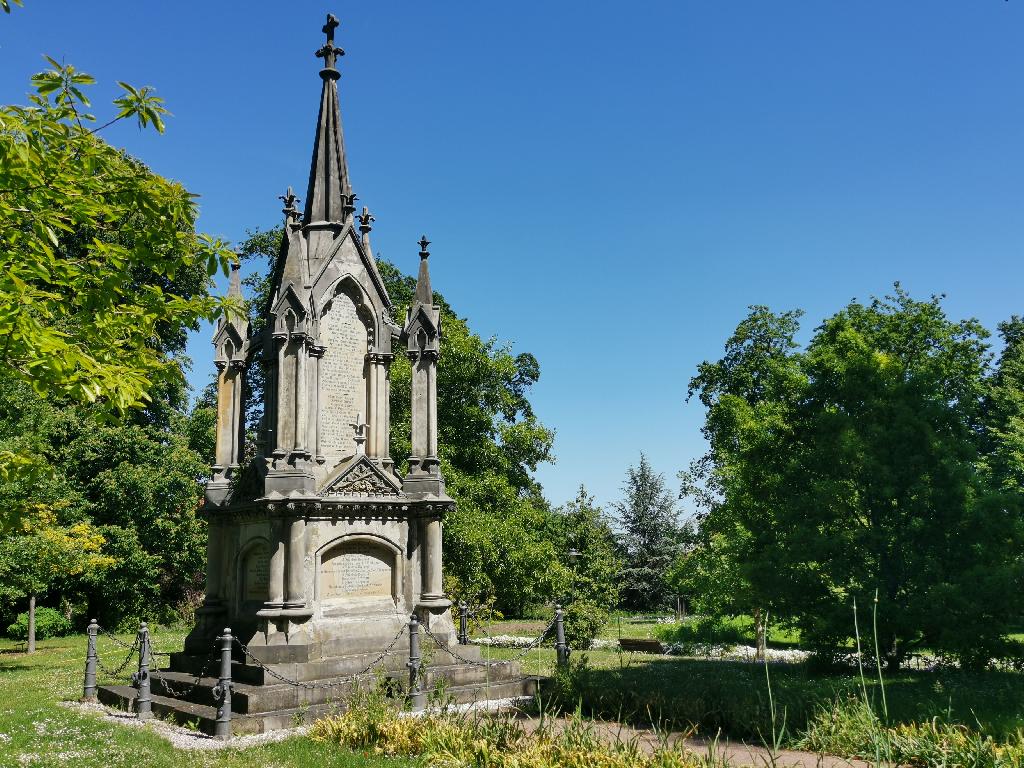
(49, 623)
(706, 630)
(583, 622)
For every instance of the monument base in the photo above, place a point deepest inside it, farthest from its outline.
(262, 701)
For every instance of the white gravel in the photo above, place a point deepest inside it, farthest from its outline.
(183, 738)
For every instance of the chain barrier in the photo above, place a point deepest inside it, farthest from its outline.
(334, 683)
(181, 693)
(518, 657)
(117, 673)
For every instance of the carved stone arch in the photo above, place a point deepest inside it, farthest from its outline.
(350, 568)
(348, 284)
(289, 303)
(252, 571)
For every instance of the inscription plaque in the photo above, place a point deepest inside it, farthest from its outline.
(256, 574)
(357, 570)
(342, 386)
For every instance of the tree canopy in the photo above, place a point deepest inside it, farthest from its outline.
(862, 464)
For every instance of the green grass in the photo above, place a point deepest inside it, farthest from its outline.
(733, 696)
(36, 731)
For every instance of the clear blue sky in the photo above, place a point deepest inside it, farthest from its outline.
(607, 185)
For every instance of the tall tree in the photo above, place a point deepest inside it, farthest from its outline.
(649, 526)
(863, 477)
(588, 552)
(91, 246)
(750, 395)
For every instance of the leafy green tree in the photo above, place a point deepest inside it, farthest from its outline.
(649, 528)
(92, 248)
(499, 543)
(32, 560)
(859, 472)
(588, 552)
(750, 395)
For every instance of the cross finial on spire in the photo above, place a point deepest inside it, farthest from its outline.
(329, 52)
(424, 253)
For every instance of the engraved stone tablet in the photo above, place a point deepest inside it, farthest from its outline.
(357, 571)
(342, 386)
(256, 574)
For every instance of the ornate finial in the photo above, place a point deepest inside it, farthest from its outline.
(366, 220)
(360, 427)
(329, 52)
(424, 253)
(348, 204)
(289, 199)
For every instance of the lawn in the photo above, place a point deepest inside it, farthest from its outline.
(730, 697)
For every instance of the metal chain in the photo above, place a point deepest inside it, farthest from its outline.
(116, 673)
(335, 683)
(180, 693)
(533, 644)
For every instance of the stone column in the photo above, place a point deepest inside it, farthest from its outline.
(224, 410)
(386, 429)
(432, 584)
(275, 580)
(295, 596)
(419, 408)
(299, 444)
(316, 353)
(280, 408)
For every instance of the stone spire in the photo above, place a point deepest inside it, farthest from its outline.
(329, 196)
(422, 337)
(423, 293)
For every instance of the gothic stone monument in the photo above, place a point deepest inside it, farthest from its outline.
(319, 550)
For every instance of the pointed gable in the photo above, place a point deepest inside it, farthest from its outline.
(360, 477)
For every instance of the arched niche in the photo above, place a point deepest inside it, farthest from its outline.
(358, 571)
(254, 573)
(346, 331)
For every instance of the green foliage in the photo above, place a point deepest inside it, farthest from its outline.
(650, 537)
(501, 741)
(854, 466)
(851, 728)
(586, 546)
(101, 270)
(74, 318)
(49, 623)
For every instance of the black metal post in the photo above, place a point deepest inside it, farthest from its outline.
(144, 701)
(222, 691)
(417, 697)
(463, 624)
(561, 647)
(89, 686)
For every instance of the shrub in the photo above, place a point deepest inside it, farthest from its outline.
(706, 630)
(49, 623)
(583, 622)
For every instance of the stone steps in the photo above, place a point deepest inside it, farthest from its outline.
(204, 716)
(250, 698)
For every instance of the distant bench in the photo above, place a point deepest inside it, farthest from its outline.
(637, 645)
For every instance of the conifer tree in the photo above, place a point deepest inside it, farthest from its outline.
(648, 536)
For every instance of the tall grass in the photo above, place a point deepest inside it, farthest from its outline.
(447, 738)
